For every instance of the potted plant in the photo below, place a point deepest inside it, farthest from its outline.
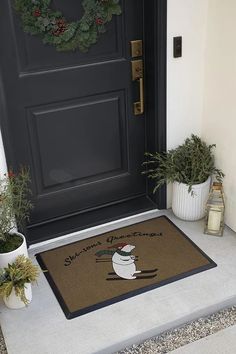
(14, 210)
(15, 282)
(189, 167)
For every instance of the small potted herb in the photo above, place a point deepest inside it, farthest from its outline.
(15, 282)
(190, 168)
(15, 207)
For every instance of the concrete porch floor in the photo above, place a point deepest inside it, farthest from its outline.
(42, 327)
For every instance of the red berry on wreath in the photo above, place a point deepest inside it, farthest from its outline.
(99, 21)
(37, 13)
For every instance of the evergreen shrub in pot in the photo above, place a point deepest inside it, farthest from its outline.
(15, 207)
(190, 168)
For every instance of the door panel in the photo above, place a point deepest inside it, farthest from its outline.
(73, 136)
(70, 118)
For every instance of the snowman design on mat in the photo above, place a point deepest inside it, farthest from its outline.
(123, 262)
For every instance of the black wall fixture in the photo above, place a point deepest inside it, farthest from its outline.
(177, 47)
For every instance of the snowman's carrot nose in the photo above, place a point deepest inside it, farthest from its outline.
(118, 245)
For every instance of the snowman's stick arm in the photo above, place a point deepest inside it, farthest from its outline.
(103, 260)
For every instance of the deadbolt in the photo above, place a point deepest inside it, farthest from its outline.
(136, 48)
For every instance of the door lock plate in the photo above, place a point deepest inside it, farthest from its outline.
(136, 48)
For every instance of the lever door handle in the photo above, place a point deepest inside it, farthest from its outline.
(139, 106)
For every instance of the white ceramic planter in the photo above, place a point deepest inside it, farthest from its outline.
(190, 207)
(10, 257)
(14, 302)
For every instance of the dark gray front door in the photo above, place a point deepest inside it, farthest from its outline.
(69, 117)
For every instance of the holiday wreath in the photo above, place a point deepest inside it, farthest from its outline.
(38, 18)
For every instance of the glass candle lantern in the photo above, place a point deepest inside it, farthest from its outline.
(215, 207)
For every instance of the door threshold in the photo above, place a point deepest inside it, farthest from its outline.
(93, 231)
(76, 222)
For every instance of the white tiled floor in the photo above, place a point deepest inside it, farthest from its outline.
(43, 329)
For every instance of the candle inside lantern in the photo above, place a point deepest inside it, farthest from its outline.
(214, 220)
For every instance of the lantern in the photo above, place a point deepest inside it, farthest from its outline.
(215, 207)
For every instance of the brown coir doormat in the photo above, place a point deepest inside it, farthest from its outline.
(99, 271)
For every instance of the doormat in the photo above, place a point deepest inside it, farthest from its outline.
(96, 272)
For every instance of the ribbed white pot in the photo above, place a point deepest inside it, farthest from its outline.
(14, 302)
(10, 257)
(189, 206)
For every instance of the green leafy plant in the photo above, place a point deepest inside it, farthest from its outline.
(190, 163)
(16, 275)
(14, 206)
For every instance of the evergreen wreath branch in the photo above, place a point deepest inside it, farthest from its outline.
(39, 19)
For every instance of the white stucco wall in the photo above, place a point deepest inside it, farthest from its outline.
(202, 84)
(187, 18)
(219, 116)
(185, 76)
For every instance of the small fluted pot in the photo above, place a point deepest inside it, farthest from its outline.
(14, 302)
(190, 206)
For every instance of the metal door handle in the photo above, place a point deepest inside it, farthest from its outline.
(137, 75)
(139, 106)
